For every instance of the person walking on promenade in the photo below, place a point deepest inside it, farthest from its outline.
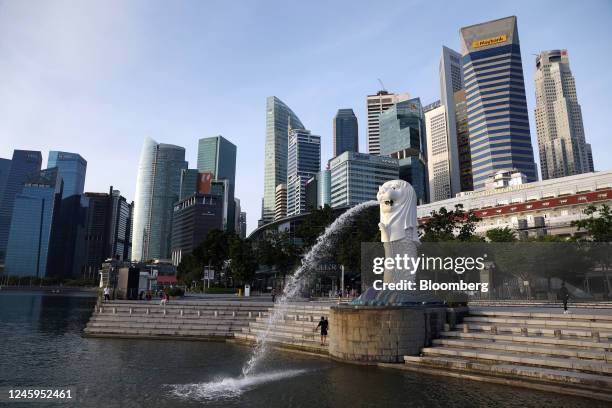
(164, 299)
(323, 324)
(273, 295)
(564, 295)
(106, 293)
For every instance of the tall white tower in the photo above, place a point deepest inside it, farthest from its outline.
(376, 104)
(561, 141)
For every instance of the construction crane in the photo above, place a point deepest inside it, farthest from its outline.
(382, 85)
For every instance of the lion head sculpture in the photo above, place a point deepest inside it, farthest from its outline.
(398, 217)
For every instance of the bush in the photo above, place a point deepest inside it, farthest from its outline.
(175, 292)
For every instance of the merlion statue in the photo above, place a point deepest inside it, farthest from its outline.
(399, 236)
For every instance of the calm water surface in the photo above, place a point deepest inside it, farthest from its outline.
(42, 347)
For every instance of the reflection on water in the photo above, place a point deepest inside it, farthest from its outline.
(42, 347)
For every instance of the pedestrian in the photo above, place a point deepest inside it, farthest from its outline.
(164, 299)
(323, 324)
(106, 293)
(564, 295)
(273, 295)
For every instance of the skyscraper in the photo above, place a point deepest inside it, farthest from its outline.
(496, 104)
(24, 163)
(324, 188)
(72, 168)
(451, 81)
(438, 154)
(463, 142)
(280, 202)
(5, 168)
(402, 136)
(217, 155)
(561, 140)
(376, 104)
(32, 224)
(304, 161)
(279, 119)
(346, 135)
(157, 189)
(243, 224)
(355, 177)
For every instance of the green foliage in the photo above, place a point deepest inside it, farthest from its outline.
(314, 224)
(598, 225)
(454, 225)
(174, 291)
(505, 234)
(189, 270)
(278, 250)
(243, 263)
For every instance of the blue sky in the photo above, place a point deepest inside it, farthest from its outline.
(95, 78)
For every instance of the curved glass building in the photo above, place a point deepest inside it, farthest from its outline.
(279, 119)
(157, 189)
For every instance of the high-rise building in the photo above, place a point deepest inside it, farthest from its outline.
(438, 154)
(376, 104)
(312, 193)
(324, 188)
(451, 81)
(496, 103)
(107, 231)
(402, 136)
(280, 204)
(32, 222)
(72, 168)
(279, 119)
(194, 217)
(355, 177)
(5, 168)
(237, 211)
(243, 224)
(346, 134)
(157, 189)
(217, 155)
(561, 141)
(463, 142)
(24, 163)
(304, 161)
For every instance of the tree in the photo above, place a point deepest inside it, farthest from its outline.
(189, 270)
(505, 234)
(243, 262)
(454, 225)
(598, 225)
(314, 225)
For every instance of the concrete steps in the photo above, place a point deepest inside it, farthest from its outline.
(531, 347)
(187, 319)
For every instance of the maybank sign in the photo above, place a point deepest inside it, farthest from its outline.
(490, 41)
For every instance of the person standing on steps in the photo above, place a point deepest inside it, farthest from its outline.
(323, 324)
(273, 295)
(564, 295)
(106, 293)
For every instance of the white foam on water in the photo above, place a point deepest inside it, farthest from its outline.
(225, 388)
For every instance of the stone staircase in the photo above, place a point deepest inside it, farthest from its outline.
(530, 347)
(197, 320)
(295, 331)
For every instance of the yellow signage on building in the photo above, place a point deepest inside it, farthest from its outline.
(490, 41)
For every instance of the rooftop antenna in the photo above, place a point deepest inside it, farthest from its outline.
(382, 85)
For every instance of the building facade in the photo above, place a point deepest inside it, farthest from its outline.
(157, 189)
(544, 207)
(72, 168)
(324, 188)
(463, 142)
(280, 205)
(107, 231)
(402, 136)
(496, 103)
(375, 105)
(5, 168)
(32, 224)
(25, 163)
(193, 218)
(243, 224)
(217, 155)
(346, 132)
(304, 161)
(355, 177)
(279, 119)
(438, 154)
(561, 141)
(451, 81)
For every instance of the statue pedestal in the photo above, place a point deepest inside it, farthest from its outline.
(382, 334)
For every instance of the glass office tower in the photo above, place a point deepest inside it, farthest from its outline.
(346, 135)
(279, 119)
(72, 168)
(496, 103)
(217, 155)
(24, 163)
(303, 163)
(31, 228)
(157, 189)
(402, 136)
